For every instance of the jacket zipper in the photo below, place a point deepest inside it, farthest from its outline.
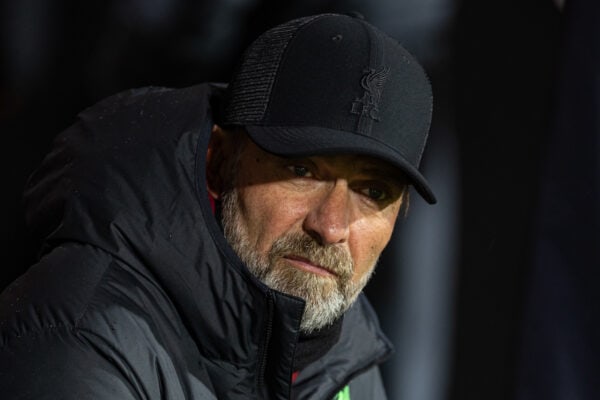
(268, 331)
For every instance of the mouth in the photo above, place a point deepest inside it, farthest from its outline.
(308, 266)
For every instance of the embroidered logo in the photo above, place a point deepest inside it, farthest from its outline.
(368, 106)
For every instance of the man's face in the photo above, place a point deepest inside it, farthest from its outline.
(312, 227)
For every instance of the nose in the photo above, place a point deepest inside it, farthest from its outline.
(328, 221)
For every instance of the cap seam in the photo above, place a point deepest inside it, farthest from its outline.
(283, 54)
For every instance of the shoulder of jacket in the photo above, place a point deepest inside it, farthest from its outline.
(64, 291)
(151, 96)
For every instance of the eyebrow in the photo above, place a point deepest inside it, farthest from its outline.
(384, 172)
(387, 174)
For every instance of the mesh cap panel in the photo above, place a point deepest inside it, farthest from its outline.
(251, 87)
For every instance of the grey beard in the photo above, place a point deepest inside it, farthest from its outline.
(327, 298)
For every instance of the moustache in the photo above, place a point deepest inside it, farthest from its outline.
(334, 259)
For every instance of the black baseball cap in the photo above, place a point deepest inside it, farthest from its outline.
(333, 84)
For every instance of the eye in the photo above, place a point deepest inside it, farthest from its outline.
(300, 171)
(375, 193)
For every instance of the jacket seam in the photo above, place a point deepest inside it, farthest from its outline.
(35, 333)
(372, 363)
(48, 326)
(94, 292)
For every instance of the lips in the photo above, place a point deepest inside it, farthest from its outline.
(307, 265)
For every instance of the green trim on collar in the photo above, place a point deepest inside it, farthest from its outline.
(343, 394)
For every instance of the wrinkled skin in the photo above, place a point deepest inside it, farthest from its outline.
(313, 227)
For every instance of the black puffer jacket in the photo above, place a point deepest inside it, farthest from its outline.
(137, 295)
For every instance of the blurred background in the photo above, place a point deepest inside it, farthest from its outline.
(493, 293)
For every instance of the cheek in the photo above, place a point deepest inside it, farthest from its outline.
(269, 214)
(369, 238)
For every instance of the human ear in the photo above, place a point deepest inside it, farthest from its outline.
(215, 161)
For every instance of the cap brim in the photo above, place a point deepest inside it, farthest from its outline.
(308, 140)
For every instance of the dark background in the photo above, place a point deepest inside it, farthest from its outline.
(494, 296)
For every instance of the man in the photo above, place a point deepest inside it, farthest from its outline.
(213, 245)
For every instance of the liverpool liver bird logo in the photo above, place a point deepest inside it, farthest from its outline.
(368, 106)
